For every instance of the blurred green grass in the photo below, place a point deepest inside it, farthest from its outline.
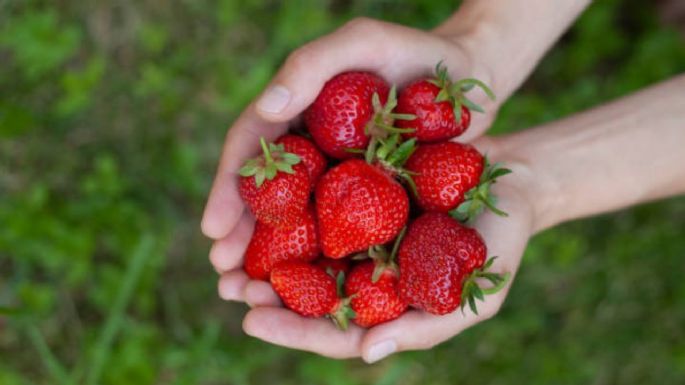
(112, 116)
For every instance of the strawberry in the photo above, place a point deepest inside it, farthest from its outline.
(275, 185)
(440, 260)
(271, 245)
(373, 288)
(453, 177)
(308, 153)
(441, 109)
(339, 116)
(311, 292)
(333, 266)
(358, 206)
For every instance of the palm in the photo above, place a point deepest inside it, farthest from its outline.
(505, 238)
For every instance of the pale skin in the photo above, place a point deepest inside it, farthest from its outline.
(624, 153)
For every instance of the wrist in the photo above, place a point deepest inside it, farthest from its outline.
(536, 179)
(508, 37)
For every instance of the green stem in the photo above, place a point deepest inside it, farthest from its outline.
(371, 150)
(396, 245)
(265, 148)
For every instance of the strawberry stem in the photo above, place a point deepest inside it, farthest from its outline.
(396, 245)
(265, 149)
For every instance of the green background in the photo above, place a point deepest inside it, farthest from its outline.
(112, 115)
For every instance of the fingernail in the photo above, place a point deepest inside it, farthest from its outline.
(380, 350)
(274, 99)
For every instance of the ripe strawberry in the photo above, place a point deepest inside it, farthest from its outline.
(308, 153)
(442, 110)
(271, 245)
(453, 176)
(275, 186)
(339, 116)
(372, 287)
(309, 291)
(333, 266)
(440, 261)
(358, 206)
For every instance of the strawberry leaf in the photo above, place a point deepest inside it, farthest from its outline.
(284, 167)
(248, 169)
(291, 159)
(471, 105)
(259, 177)
(442, 96)
(457, 113)
(270, 170)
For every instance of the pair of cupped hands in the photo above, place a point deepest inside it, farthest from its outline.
(398, 54)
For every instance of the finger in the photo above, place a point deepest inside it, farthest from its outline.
(232, 285)
(224, 205)
(227, 253)
(260, 293)
(283, 327)
(480, 122)
(427, 330)
(362, 44)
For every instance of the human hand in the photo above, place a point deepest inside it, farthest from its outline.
(398, 54)
(504, 237)
(471, 43)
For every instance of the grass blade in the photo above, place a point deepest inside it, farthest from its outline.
(103, 345)
(53, 366)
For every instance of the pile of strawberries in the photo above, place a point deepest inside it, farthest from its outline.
(360, 250)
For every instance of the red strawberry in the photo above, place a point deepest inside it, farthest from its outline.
(442, 110)
(271, 245)
(310, 291)
(333, 266)
(358, 206)
(453, 176)
(440, 260)
(308, 153)
(373, 289)
(339, 116)
(275, 186)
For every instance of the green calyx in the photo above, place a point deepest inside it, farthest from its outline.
(380, 126)
(454, 92)
(384, 260)
(392, 153)
(480, 197)
(471, 291)
(342, 314)
(274, 159)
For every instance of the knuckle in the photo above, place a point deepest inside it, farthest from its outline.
(363, 25)
(491, 311)
(300, 57)
(427, 344)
